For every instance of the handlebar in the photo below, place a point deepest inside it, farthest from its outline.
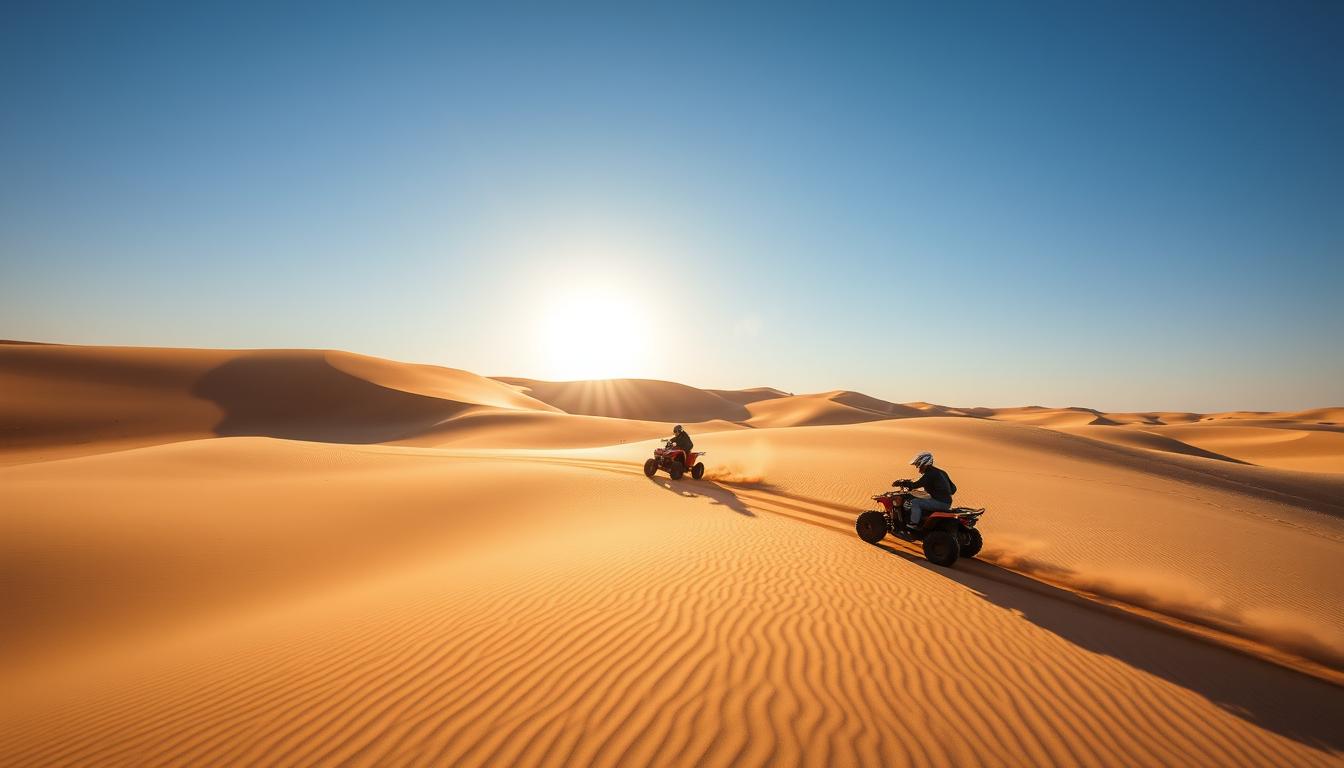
(893, 492)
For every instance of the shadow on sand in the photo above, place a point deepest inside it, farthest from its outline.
(276, 394)
(716, 493)
(1291, 704)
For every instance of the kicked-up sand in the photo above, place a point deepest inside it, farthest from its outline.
(296, 557)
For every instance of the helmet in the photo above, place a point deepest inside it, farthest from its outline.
(676, 430)
(922, 459)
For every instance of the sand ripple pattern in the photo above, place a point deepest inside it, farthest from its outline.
(683, 631)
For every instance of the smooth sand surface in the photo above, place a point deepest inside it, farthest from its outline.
(640, 399)
(1316, 447)
(825, 409)
(305, 557)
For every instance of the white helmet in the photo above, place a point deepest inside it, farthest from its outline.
(922, 460)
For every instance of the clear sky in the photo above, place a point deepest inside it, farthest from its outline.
(1117, 205)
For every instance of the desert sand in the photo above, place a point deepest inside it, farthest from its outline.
(299, 557)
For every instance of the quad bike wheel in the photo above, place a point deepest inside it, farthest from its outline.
(676, 470)
(941, 548)
(871, 526)
(698, 471)
(650, 467)
(971, 542)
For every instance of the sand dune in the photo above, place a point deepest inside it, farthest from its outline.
(1311, 440)
(528, 429)
(68, 400)
(1141, 438)
(1296, 447)
(434, 381)
(748, 396)
(805, 410)
(315, 558)
(639, 399)
(1334, 416)
(60, 397)
(827, 408)
(1047, 417)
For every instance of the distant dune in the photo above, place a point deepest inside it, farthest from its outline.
(640, 399)
(269, 557)
(748, 396)
(72, 399)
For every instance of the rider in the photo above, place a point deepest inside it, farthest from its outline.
(682, 439)
(933, 480)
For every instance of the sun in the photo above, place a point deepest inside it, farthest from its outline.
(595, 332)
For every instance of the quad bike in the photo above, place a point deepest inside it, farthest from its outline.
(945, 535)
(672, 460)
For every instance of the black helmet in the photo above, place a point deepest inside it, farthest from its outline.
(676, 430)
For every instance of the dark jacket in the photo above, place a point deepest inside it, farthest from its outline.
(937, 483)
(683, 441)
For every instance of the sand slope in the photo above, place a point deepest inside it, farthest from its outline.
(1311, 447)
(436, 575)
(639, 399)
(69, 400)
(469, 628)
(826, 408)
(748, 396)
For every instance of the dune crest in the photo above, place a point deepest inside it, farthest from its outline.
(639, 399)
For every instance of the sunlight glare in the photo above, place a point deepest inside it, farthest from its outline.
(595, 333)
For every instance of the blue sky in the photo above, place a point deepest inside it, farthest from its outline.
(1118, 205)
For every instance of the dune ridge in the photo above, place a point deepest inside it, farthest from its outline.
(639, 399)
(136, 396)
(79, 398)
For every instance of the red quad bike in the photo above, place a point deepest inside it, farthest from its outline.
(945, 535)
(672, 460)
